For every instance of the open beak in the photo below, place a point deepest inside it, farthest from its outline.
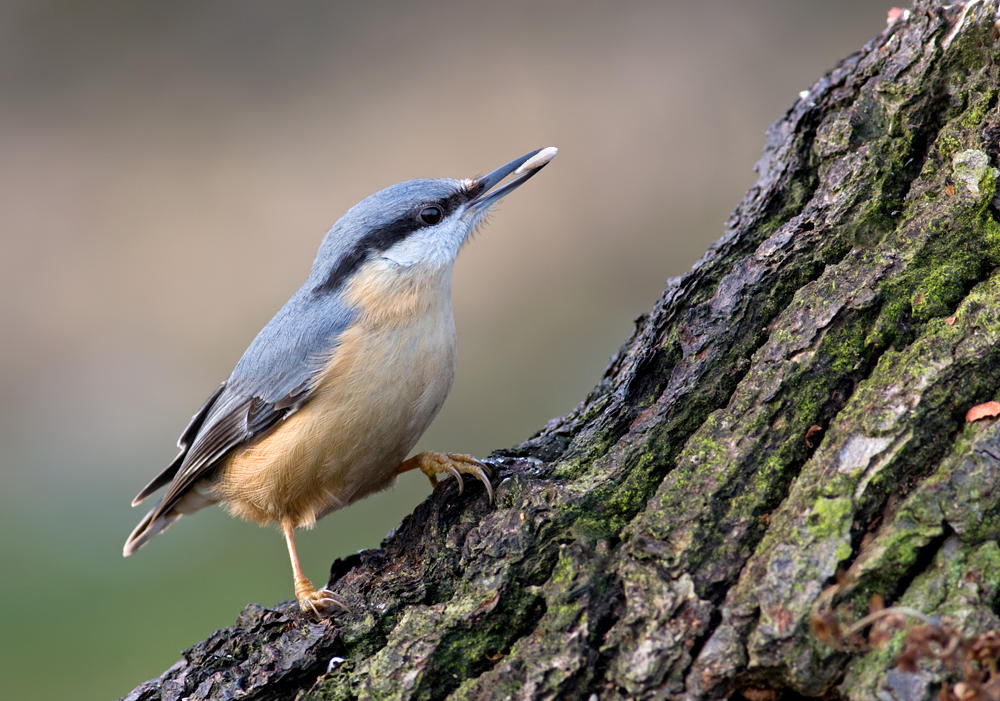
(523, 168)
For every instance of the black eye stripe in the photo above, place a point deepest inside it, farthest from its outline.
(385, 237)
(380, 239)
(449, 204)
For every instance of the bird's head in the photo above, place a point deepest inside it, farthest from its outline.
(415, 227)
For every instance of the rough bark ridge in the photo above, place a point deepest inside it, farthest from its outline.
(675, 535)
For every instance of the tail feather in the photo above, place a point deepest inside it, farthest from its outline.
(148, 529)
(154, 523)
(161, 479)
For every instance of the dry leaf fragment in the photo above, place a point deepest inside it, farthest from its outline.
(752, 694)
(986, 410)
(813, 430)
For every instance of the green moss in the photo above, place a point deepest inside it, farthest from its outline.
(868, 671)
(894, 554)
(501, 687)
(511, 492)
(466, 636)
(979, 106)
(942, 288)
(960, 579)
(569, 469)
(789, 203)
(831, 518)
(609, 507)
(968, 53)
(335, 687)
(960, 247)
(984, 570)
(947, 144)
(562, 608)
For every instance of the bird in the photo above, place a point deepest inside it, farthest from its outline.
(331, 396)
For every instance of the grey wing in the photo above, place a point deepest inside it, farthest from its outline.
(273, 379)
(184, 442)
(230, 420)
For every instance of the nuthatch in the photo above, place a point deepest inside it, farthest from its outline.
(329, 398)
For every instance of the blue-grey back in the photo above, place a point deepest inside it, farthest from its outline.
(294, 346)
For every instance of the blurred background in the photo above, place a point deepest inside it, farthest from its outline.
(167, 171)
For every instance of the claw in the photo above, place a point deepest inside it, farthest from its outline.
(455, 464)
(318, 601)
(458, 476)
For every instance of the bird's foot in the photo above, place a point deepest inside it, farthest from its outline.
(456, 464)
(317, 601)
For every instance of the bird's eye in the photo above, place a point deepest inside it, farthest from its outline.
(430, 215)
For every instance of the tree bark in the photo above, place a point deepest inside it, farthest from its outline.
(782, 438)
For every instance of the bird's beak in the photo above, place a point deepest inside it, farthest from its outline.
(523, 167)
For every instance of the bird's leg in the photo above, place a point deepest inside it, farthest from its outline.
(310, 599)
(456, 464)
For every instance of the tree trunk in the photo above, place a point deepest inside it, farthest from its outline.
(782, 438)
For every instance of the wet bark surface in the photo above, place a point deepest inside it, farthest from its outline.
(782, 437)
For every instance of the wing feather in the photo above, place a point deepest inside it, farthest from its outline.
(187, 437)
(273, 379)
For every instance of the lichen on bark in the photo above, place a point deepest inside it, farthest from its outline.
(783, 434)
